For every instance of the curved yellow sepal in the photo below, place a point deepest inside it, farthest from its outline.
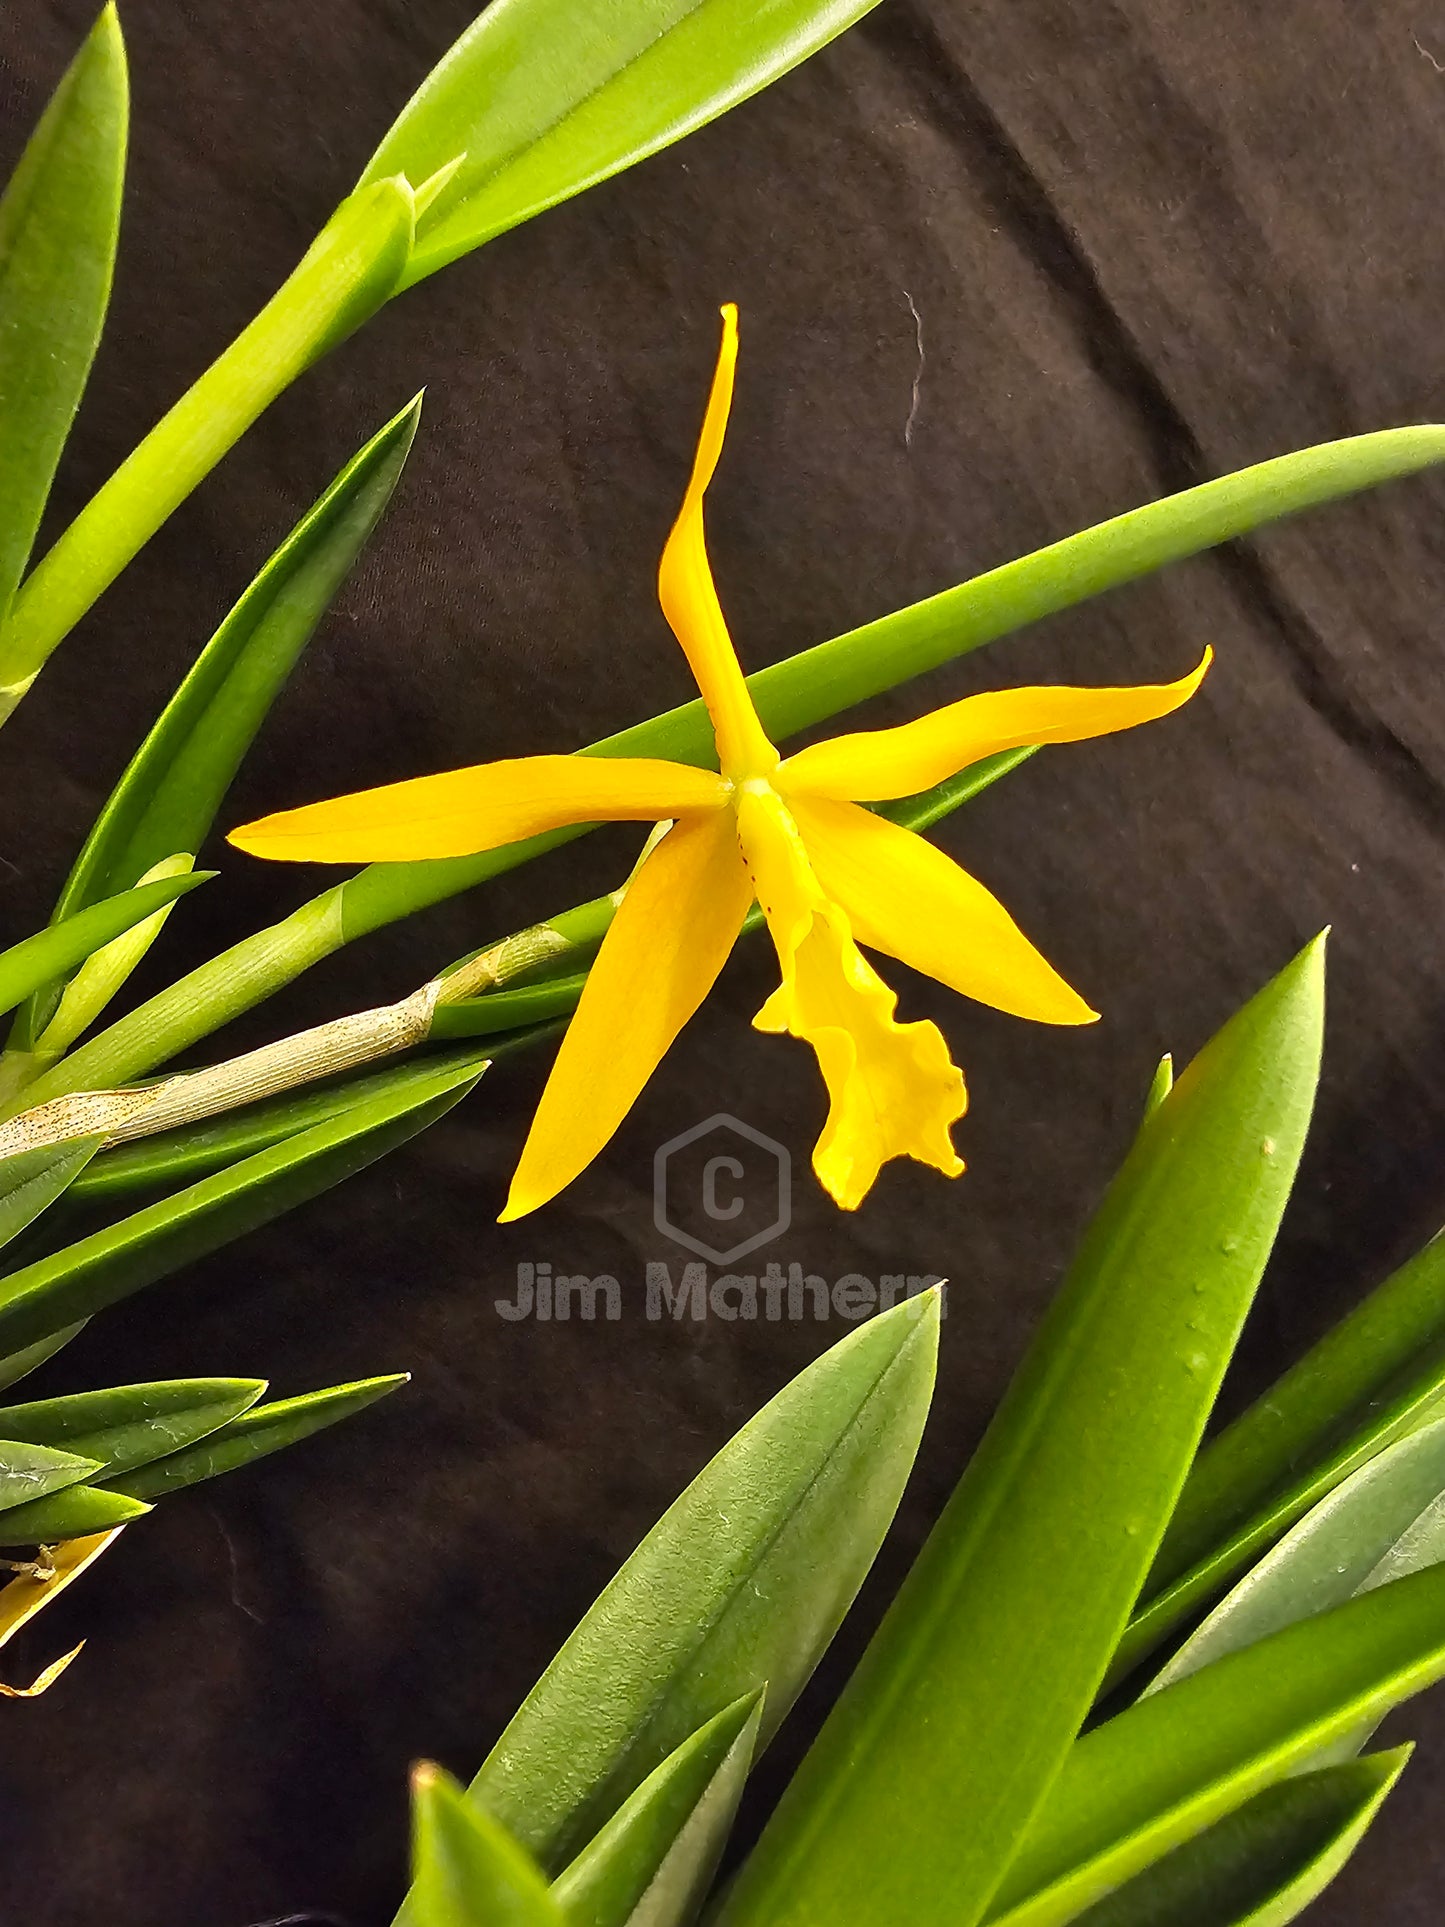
(688, 594)
(461, 811)
(872, 765)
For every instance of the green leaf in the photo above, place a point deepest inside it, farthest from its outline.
(57, 951)
(1174, 1763)
(1374, 1377)
(111, 1264)
(178, 1157)
(653, 1862)
(254, 1435)
(467, 1870)
(31, 1181)
(1265, 1863)
(59, 219)
(20, 1364)
(31, 1471)
(791, 696)
(102, 976)
(349, 271)
(1385, 1520)
(741, 1584)
(129, 1425)
(537, 100)
(998, 1640)
(168, 797)
(89, 1510)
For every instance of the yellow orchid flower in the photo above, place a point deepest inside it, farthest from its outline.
(788, 832)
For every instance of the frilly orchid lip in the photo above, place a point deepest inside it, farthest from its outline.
(790, 833)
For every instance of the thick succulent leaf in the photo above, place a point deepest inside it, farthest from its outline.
(1265, 1863)
(468, 1871)
(31, 1471)
(111, 1264)
(741, 1584)
(31, 1181)
(57, 951)
(255, 1435)
(177, 1157)
(347, 273)
(1385, 1520)
(997, 1643)
(169, 795)
(1156, 1775)
(538, 100)
(129, 1425)
(792, 695)
(1374, 1377)
(20, 1364)
(89, 1510)
(652, 1864)
(59, 218)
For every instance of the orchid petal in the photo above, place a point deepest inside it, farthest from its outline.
(906, 898)
(661, 956)
(893, 1089)
(870, 766)
(461, 811)
(688, 594)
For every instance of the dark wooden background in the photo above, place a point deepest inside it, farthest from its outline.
(1147, 242)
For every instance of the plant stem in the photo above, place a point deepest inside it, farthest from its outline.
(350, 269)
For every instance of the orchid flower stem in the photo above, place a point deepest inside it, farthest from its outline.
(461, 1001)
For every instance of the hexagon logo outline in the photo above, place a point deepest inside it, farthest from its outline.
(722, 1121)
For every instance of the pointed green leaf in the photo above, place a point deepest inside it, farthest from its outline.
(59, 218)
(1265, 1863)
(129, 1425)
(32, 1471)
(31, 1181)
(178, 1157)
(997, 1643)
(653, 1862)
(110, 1264)
(1385, 1520)
(467, 1870)
(75, 1006)
(791, 696)
(57, 951)
(20, 1364)
(169, 795)
(254, 1435)
(742, 1583)
(1174, 1763)
(348, 272)
(1374, 1377)
(538, 100)
(89, 1510)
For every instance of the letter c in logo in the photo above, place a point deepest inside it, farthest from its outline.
(710, 1203)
